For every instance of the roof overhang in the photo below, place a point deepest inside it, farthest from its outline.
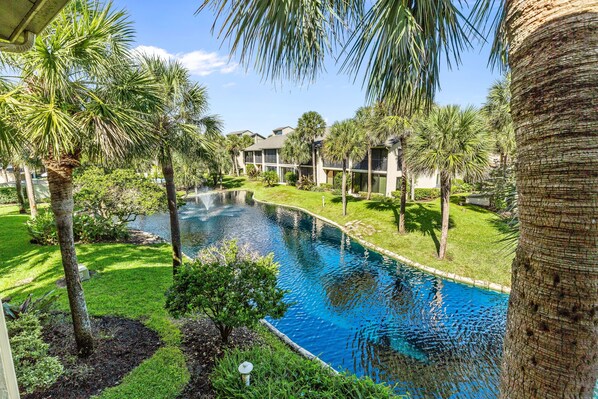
(21, 19)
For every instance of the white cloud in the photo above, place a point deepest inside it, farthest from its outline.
(198, 62)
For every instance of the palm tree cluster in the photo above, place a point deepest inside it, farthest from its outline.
(551, 350)
(82, 95)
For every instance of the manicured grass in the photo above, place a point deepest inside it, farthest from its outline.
(474, 247)
(130, 282)
(280, 373)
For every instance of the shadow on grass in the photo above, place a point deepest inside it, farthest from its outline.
(418, 217)
(232, 182)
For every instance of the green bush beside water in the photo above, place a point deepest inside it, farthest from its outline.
(8, 195)
(280, 373)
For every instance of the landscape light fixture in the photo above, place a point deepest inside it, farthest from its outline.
(245, 370)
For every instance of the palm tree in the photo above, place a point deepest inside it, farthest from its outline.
(310, 126)
(16, 169)
(453, 142)
(235, 144)
(497, 110)
(69, 110)
(369, 119)
(180, 124)
(400, 127)
(296, 150)
(344, 144)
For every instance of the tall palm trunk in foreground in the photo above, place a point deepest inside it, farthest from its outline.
(551, 342)
(445, 200)
(30, 191)
(60, 183)
(20, 200)
(175, 231)
(369, 172)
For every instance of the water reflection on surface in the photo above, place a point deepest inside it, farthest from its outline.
(357, 309)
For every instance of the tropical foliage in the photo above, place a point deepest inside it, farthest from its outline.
(80, 95)
(453, 142)
(310, 126)
(296, 150)
(344, 144)
(182, 124)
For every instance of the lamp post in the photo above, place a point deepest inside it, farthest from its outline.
(245, 371)
(8, 380)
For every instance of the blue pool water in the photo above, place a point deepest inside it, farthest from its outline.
(356, 309)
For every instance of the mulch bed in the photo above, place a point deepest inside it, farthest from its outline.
(202, 347)
(121, 345)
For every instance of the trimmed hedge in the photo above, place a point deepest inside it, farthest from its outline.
(426, 194)
(8, 195)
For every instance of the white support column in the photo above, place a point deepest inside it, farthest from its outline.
(8, 379)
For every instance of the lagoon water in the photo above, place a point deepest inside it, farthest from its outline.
(356, 309)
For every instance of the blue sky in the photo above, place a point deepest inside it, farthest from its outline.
(244, 100)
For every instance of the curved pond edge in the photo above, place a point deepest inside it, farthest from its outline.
(297, 348)
(430, 270)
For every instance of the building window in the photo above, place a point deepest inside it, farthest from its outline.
(360, 183)
(270, 156)
(248, 156)
(379, 160)
(258, 157)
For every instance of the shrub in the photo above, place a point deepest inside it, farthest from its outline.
(317, 189)
(459, 186)
(118, 195)
(280, 373)
(305, 183)
(326, 186)
(290, 178)
(426, 194)
(8, 195)
(34, 367)
(86, 229)
(270, 178)
(252, 172)
(233, 286)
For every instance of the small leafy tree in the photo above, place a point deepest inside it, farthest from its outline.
(119, 194)
(230, 284)
(270, 178)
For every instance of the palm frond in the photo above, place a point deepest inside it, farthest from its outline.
(283, 39)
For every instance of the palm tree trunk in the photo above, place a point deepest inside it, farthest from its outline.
(60, 183)
(403, 186)
(175, 230)
(20, 200)
(369, 171)
(30, 191)
(313, 162)
(445, 201)
(344, 187)
(412, 194)
(551, 341)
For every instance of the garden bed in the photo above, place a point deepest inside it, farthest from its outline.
(121, 345)
(203, 347)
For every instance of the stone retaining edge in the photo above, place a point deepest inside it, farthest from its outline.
(297, 348)
(430, 270)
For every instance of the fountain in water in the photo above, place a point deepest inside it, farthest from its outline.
(206, 198)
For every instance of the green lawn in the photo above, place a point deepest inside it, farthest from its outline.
(474, 247)
(131, 282)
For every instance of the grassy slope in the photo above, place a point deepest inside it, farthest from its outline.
(474, 249)
(131, 282)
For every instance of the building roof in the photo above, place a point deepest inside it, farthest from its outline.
(281, 128)
(21, 17)
(272, 142)
(245, 132)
